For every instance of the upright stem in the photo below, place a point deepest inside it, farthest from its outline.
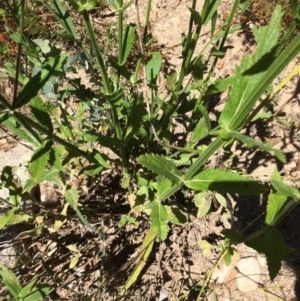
(147, 20)
(120, 29)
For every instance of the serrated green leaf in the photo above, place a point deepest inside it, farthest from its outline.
(201, 130)
(283, 188)
(128, 41)
(220, 85)
(163, 184)
(40, 112)
(276, 203)
(161, 166)
(153, 66)
(203, 203)
(275, 250)
(99, 159)
(250, 142)
(11, 281)
(72, 197)
(47, 175)
(159, 220)
(234, 236)
(254, 75)
(39, 160)
(224, 182)
(21, 132)
(257, 243)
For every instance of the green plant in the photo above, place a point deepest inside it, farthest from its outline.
(136, 124)
(30, 292)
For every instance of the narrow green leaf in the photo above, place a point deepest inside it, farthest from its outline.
(276, 202)
(201, 130)
(36, 83)
(64, 18)
(40, 112)
(153, 66)
(27, 288)
(203, 203)
(159, 220)
(162, 184)
(224, 182)
(253, 76)
(195, 16)
(211, 10)
(128, 41)
(11, 281)
(39, 293)
(250, 142)
(234, 236)
(99, 159)
(39, 160)
(275, 250)
(283, 188)
(161, 166)
(24, 134)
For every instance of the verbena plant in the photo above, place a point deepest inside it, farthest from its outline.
(127, 114)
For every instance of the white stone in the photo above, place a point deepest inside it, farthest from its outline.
(249, 274)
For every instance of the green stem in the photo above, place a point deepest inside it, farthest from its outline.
(18, 63)
(106, 81)
(120, 29)
(147, 21)
(108, 90)
(207, 153)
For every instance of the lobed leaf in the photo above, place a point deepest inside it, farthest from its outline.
(161, 166)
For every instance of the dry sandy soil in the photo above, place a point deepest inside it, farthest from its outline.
(177, 264)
